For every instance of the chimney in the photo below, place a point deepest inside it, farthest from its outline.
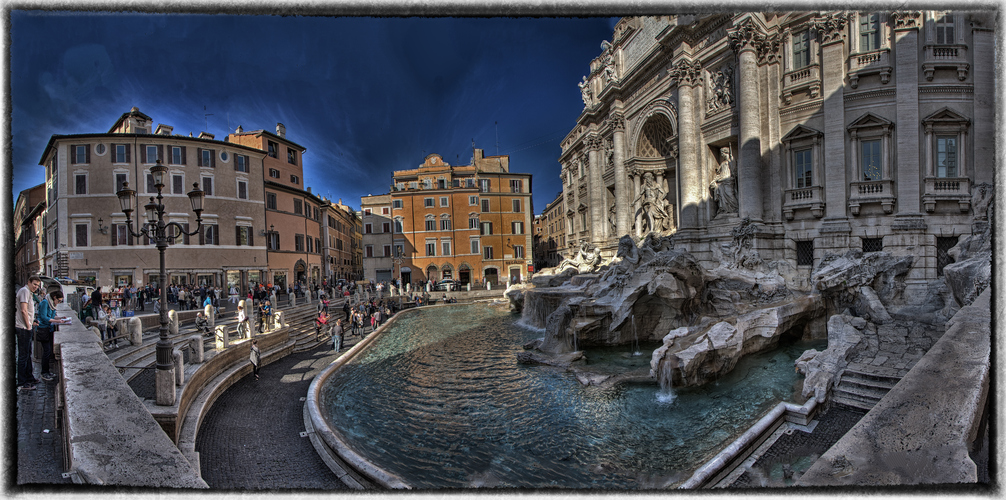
(239, 130)
(281, 130)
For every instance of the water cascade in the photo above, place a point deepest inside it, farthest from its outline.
(635, 338)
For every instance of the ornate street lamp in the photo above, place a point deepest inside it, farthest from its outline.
(156, 229)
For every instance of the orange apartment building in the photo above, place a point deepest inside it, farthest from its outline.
(293, 215)
(471, 224)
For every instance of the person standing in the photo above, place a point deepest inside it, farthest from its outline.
(337, 335)
(233, 295)
(24, 322)
(255, 357)
(244, 326)
(47, 321)
(141, 294)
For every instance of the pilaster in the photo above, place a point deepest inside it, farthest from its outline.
(906, 69)
(595, 195)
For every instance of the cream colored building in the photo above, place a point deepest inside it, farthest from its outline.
(814, 132)
(85, 235)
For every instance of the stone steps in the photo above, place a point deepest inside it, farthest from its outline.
(863, 386)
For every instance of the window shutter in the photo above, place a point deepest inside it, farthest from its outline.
(183, 155)
(143, 154)
(213, 158)
(128, 151)
(130, 241)
(160, 153)
(235, 159)
(115, 234)
(199, 157)
(237, 235)
(251, 233)
(202, 235)
(185, 236)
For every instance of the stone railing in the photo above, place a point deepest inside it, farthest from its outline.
(798, 198)
(869, 63)
(806, 78)
(109, 436)
(863, 192)
(953, 189)
(945, 56)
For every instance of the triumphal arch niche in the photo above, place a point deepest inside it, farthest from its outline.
(652, 171)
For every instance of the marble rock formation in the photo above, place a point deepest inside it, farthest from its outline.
(971, 272)
(822, 370)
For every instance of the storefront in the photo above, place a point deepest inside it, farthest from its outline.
(122, 277)
(279, 279)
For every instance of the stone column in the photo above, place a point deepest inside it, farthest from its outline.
(595, 196)
(689, 171)
(744, 40)
(623, 217)
(906, 69)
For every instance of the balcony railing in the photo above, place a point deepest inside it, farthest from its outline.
(866, 192)
(870, 63)
(953, 189)
(803, 198)
(945, 56)
(807, 78)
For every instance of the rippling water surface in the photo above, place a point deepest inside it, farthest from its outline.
(440, 401)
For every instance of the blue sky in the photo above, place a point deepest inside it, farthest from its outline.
(365, 96)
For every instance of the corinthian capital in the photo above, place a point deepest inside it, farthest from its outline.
(831, 27)
(593, 142)
(768, 49)
(687, 72)
(617, 122)
(745, 36)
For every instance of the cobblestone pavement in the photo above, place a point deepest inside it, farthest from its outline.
(39, 439)
(795, 451)
(250, 439)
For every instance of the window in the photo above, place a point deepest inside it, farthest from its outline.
(211, 235)
(177, 184)
(431, 248)
(801, 49)
(945, 29)
(518, 251)
(81, 154)
(470, 182)
(398, 225)
(943, 245)
(475, 247)
(873, 244)
(399, 249)
(428, 202)
(487, 252)
(317, 245)
(291, 156)
(871, 161)
(273, 240)
(805, 253)
(81, 234)
(243, 190)
(487, 228)
(310, 245)
(241, 163)
(396, 203)
(270, 201)
(869, 32)
(294, 179)
(473, 200)
(80, 184)
(151, 188)
(446, 247)
(443, 201)
(946, 156)
(445, 224)
(385, 210)
(516, 185)
(485, 205)
(298, 242)
(273, 147)
(177, 155)
(150, 153)
(484, 185)
(120, 235)
(368, 228)
(386, 227)
(517, 227)
(516, 205)
(804, 163)
(120, 179)
(298, 207)
(387, 250)
(366, 211)
(583, 220)
(244, 235)
(369, 250)
(274, 173)
(208, 186)
(441, 184)
(431, 225)
(120, 154)
(473, 222)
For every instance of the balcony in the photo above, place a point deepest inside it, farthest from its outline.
(806, 78)
(953, 189)
(803, 198)
(867, 192)
(870, 63)
(945, 56)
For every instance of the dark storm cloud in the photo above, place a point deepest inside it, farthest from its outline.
(365, 96)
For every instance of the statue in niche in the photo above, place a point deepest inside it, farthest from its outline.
(609, 62)
(609, 153)
(722, 186)
(651, 212)
(585, 92)
(721, 89)
(612, 218)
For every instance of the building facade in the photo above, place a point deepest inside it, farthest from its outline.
(29, 223)
(339, 237)
(552, 236)
(85, 236)
(471, 223)
(814, 132)
(378, 239)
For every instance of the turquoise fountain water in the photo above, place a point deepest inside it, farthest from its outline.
(440, 401)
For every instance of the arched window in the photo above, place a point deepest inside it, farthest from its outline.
(654, 142)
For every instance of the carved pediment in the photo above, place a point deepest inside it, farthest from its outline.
(801, 132)
(945, 116)
(871, 120)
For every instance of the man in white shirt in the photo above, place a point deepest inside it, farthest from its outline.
(24, 322)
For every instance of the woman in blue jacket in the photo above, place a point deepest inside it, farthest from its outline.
(47, 321)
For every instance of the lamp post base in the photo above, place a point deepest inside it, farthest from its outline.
(165, 384)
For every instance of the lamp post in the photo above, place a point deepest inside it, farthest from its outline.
(156, 229)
